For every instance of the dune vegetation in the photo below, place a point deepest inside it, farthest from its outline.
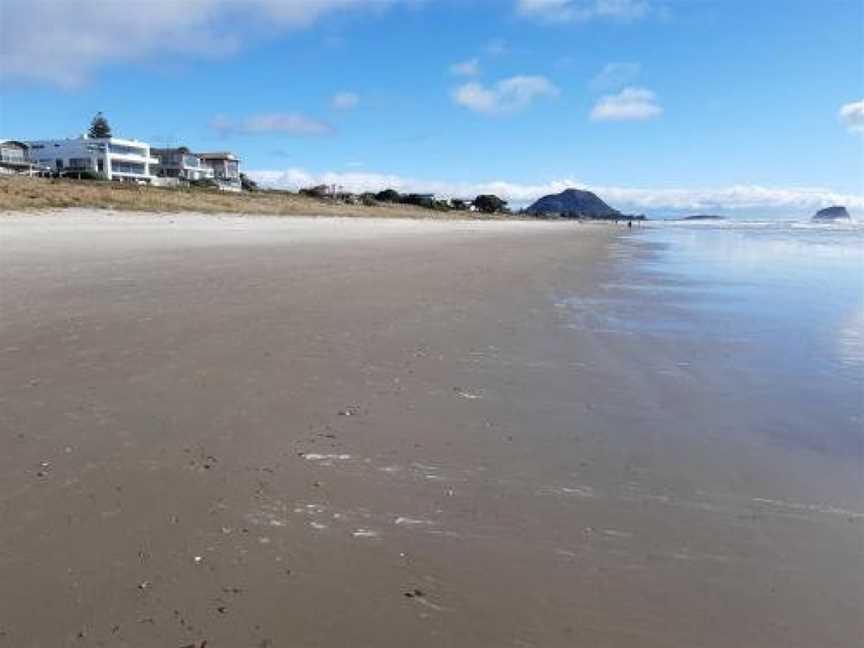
(18, 193)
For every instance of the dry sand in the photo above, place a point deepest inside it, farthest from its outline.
(323, 432)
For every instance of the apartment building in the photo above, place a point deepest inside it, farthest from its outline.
(15, 158)
(109, 157)
(180, 163)
(226, 169)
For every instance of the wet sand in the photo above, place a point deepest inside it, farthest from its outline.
(323, 432)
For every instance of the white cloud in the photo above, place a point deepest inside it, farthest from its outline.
(738, 198)
(629, 104)
(614, 76)
(497, 47)
(344, 101)
(471, 67)
(288, 123)
(506, 96)
(63, 42)
(566, 11)
(852, 115)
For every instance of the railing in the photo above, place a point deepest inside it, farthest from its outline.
(13, 157)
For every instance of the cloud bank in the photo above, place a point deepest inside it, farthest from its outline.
(751, 199)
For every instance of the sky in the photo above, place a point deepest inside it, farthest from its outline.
(659, 106)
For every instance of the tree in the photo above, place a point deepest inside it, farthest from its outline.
(247, 184)
(99, 127)
(420, 200)
(489, 204)
(388, 195)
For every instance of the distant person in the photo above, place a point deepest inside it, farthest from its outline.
(629, 224)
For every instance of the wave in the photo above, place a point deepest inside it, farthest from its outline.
(768, 224)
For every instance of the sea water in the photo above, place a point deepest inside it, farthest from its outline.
(772, 309)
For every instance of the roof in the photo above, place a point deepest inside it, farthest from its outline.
(219, 155)
(98, 140)
(174, 149)
(19, 143)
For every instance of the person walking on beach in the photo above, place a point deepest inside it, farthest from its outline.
(629, 224)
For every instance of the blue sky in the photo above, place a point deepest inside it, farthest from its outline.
(657, 105)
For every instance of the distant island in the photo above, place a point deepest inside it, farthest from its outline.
(837, 212)
(702, 217)
(575, 203)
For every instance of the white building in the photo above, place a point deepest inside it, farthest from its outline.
(15, 158)
(110, 157)
(226, 169)
(180, 163)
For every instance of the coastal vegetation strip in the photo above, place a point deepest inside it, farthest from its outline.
(19, 193)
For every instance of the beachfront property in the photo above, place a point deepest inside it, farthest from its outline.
(111, 158)
(15, 158)
(182, 164)
(226, 169)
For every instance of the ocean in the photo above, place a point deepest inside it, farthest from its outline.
(770, 311)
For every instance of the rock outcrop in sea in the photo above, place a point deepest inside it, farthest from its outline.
(837, 212)
(573, 203)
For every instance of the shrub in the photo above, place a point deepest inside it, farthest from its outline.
(204, 183)
(318, 191)
(247, 184)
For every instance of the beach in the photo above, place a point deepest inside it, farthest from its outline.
(261, 431)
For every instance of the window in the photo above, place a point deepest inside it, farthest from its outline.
(127, 167)
(120, 149)
(12, 154)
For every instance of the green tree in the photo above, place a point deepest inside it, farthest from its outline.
(99, 127)
(388, 195)
(489, 204)
(247, 183)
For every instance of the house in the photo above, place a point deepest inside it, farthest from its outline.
(462, 204)
(15, 158)
(180, 163)
(109, 157)
(226, 169)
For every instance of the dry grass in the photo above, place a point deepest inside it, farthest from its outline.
(19, 193)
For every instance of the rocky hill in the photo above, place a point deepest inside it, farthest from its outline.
(574, 203)
(832, 213)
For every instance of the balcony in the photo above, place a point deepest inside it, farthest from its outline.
(139, 158)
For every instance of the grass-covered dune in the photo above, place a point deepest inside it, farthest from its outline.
(19, 193)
